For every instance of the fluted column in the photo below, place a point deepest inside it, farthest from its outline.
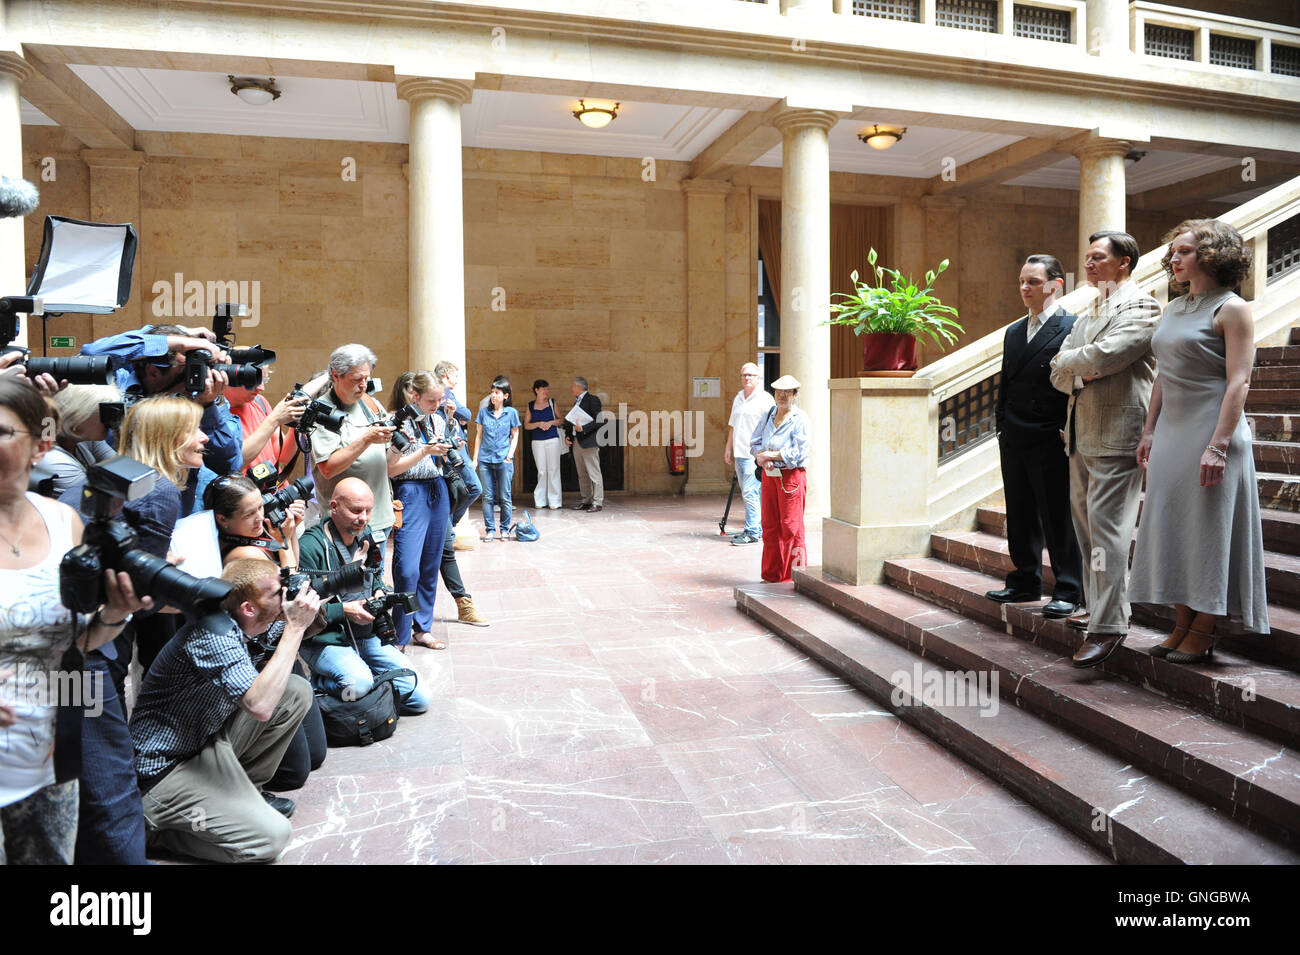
(805, 281)
(1102, 197)
(13, 264)
(436, 238)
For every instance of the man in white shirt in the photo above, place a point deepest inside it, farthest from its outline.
(747, 410)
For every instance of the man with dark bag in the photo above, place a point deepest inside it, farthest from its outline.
(1035, 469)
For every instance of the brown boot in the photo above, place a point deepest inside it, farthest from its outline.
(462, 544)
(467, 614)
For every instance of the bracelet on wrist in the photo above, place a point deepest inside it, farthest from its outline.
(1215, 451)
(98, 618)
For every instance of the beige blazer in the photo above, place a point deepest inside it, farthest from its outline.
(1105, 416)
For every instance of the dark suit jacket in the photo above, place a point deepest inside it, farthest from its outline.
(588, 436)
(1030, 410)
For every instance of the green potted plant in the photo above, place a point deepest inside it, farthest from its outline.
(891, 316)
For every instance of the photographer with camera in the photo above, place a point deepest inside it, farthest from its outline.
(347, 656)
(358, 449)
(210, 729)
(161, 359)
(261, 424)
(458, 417)
(419, 486)
(38, 785)
(86, 414)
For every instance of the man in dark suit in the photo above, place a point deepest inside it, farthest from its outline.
(1035, 469)
(586, 448)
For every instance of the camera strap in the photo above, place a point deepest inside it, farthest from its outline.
(340, 551)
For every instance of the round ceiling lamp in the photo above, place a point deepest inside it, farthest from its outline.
(595, 117)
(881, 137)
(253, 91)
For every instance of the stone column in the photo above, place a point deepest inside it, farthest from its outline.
(805, 282)
(1108, 27)
(13, 262)
(115, 197)
(436, 241)
(706, 332)
(1102, 198)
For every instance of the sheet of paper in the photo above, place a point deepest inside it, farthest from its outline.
(195, 537)
(578, 417)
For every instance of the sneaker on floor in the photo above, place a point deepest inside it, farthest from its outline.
(465, 612)
(741, 539)
(280, 804)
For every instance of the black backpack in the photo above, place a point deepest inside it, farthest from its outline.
(364, 721)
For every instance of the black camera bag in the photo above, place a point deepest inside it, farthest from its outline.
(366, 720)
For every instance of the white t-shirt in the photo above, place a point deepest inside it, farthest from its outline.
(746, 413)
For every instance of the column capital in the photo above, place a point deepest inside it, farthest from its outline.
(706, 187)
(13, 64)
(794, 118)
(114, 158)
(423, 87)
(1098, 147)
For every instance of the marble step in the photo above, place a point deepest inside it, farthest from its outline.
(1260, 696)
(1253, 778)
(1275, 427)
(1281, 528)
(1276, 375)
(1278, 491)
(1279, 355)
(1278, 457)
(1132, 816)
(1283, 400)
(987, 552)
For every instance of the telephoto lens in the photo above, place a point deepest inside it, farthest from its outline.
(254, 355)
(275, 504)
(78, 370)
(241, 376)
(348, 579)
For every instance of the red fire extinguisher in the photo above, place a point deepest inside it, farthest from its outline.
(676, 453)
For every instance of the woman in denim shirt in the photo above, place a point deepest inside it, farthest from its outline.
(780, 447)
(494, 456)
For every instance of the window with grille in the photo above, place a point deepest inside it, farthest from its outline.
(981, 15)
(1286, 59)
(968, 417)
(1283, 248)
(1232, 51)
(1171, 42)
(1037, 23)
(906, 10)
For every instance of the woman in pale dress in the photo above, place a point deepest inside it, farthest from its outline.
(1200, 545)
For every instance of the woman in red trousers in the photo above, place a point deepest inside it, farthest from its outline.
(780, 448)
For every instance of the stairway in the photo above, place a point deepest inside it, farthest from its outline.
(1150, 761)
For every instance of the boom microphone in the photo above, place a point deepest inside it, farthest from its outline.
(18, 197)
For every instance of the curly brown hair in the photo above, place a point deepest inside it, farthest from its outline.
(1220, 251)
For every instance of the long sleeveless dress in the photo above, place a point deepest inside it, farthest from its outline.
(1202, 547)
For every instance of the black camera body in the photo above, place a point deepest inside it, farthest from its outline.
(395, 421)
(381, 605)
(275, 504)
(111, 413)
(109, 543)
(316, 413)
(199, 362)
(348, 579)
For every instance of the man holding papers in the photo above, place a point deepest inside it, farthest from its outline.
(583, 422)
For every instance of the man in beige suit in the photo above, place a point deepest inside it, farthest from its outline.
(1107, 368)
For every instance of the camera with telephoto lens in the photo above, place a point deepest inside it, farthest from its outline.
(316, 412)
(111, 413)
(395, 421)
(348, 579)
(223, 326)
(199, 361)
(275, 504)
(109, 543)
(78, 370)
(380, 607)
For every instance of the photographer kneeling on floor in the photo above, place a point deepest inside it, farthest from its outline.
(210, 730)
(347, 656)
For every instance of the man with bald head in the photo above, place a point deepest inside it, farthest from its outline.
(747, 409)
(346, 657)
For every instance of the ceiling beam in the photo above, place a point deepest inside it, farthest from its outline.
(1212, 185)
(999, 166)
(746, 140)
(62, 95)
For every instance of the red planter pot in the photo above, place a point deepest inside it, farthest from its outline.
(888, 351)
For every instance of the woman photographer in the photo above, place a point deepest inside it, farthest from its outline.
(81, 440)
(38, 800)
(236, 505)
(419, 485)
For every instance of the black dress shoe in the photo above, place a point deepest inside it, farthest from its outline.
(1059, 608)
(1098, 648)
(1008, 596)
(280, 804)
(584, 506)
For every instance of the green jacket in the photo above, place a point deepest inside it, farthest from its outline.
(315, 552)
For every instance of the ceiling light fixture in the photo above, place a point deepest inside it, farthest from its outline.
(881, 137)
(253, 91)
(595, 117)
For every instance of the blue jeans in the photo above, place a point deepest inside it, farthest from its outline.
(496, 480)
(475, 490)
(751, 491)
(334, 669)
(417, 549)
(110, 830)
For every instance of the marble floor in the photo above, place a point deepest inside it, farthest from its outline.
(621, 709)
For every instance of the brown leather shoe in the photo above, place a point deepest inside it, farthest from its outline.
(462, 544)
(1098, 648)
(1079, 622)
(596, 507)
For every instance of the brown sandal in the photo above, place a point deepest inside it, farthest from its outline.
(429, 641)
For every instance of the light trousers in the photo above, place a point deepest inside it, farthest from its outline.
(590, 482)
(1104, 496)
(546, 454)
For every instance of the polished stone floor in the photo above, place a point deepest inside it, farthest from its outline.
(621, 709)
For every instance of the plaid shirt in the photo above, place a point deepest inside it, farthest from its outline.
(192, 689)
